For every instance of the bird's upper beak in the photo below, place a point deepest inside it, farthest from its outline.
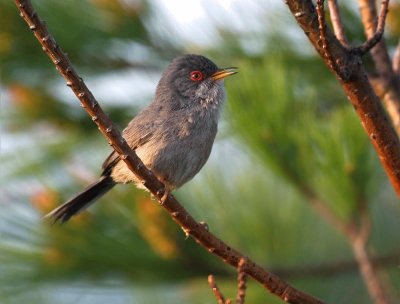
(222, 73)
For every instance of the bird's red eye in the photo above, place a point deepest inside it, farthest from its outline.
(196, 75)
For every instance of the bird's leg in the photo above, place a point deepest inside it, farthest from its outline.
(165, 195)
(164, 192)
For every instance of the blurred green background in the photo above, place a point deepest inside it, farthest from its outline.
(288, 136)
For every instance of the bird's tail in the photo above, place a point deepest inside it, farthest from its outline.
(82, 200)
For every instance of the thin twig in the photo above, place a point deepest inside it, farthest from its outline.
(353, 231)
(202, 236)
(396, 61)
(322, 209)
(217, 292)
(377, 36)
(357, 233)
(369, 19)
(242, 277)
(368, 271)
(325, 47)
(241, 288)
(322, 32)
(337, 23)
(367, 268)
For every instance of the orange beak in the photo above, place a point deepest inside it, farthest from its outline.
(222, 73)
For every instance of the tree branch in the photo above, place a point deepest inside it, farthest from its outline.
(396, 61)
(196, 230)
(390, 82)
(349, 70)
(367, 268)
(217, 292)
(354, 82)
(241, 278)
(337, 22)
(357, 233)
(387, 84)
(322, 31)
(374, 37)
(241, 287)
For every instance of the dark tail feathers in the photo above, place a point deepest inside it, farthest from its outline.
(82, 200)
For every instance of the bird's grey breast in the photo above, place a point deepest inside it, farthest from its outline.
(188, 142)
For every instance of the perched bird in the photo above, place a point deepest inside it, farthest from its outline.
(173, 135)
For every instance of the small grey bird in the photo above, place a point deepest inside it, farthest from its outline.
(173, 135)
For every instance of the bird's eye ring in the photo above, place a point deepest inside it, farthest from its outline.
(196, 75)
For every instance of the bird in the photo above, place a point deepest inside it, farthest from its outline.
(173, 135)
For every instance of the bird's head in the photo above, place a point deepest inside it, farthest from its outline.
(193, 79)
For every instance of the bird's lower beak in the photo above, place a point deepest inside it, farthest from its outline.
(222, 73)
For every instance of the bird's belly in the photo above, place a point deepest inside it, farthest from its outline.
(174, 162)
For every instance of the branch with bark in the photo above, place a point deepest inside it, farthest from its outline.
(241, 287)
(346, 64)
(196, 230)
(387, 78)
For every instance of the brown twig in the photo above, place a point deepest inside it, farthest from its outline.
(322, 33)
(337, 23)
(386, 88)
(357, 233)
(217, 292)
(368, 270)
(242, 277)
(377, 35)
(387, 78)
(379, 53)
(214, 245)
(369, 273)
(241, 288)
(322, 209)
(396, 61)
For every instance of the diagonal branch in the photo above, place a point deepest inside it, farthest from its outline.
(215, 289)
(354, 81)
(196, 230)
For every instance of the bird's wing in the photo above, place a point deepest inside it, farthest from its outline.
(114, 157)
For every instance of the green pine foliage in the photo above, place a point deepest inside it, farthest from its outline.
(306, 135)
